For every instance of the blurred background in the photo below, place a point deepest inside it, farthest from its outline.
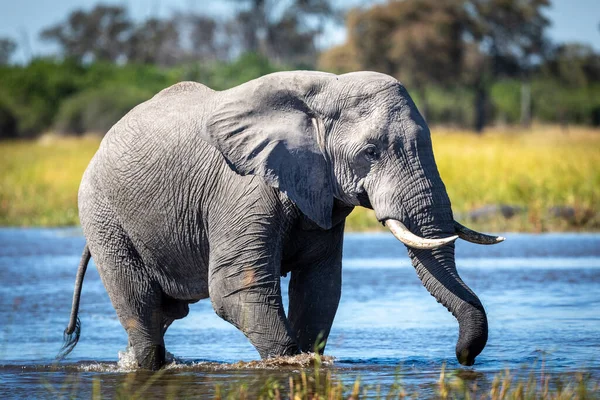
(511, 89)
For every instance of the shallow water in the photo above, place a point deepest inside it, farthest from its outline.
(541, 294)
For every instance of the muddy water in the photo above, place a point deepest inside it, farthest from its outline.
(541, 293)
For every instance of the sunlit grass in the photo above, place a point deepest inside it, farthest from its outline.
(534, 169)
(316, 383)
(39, 180)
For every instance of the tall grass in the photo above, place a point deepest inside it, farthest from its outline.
(317, 383)
(534, 170)
(39, 180)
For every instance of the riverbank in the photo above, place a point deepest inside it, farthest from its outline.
(537, 180)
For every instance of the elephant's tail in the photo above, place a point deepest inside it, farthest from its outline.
(73, 330)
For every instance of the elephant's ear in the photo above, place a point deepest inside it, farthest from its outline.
(273, 134)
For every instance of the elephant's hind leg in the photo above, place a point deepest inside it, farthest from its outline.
(137, 300)
(135, 295)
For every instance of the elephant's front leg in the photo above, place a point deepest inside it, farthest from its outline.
(248, 295)
(315, 289)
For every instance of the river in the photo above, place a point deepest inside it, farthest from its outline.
(541, 294)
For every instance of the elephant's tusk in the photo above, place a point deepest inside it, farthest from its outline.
(402, 233)
(475, 237)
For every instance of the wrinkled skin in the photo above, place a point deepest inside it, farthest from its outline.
(201, 194)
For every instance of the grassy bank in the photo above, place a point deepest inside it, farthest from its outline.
(535, 180)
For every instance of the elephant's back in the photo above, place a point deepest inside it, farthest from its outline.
(151, 169)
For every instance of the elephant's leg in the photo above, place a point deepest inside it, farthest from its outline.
(136, 297)
(314, 293)
(248, 296)
(137, 300)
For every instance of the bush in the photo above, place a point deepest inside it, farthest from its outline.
(97, 110)
(8, 119)
(247, 67)
(147, 77)
(506, 100)
(450, 106)
(554, 102)
(34, 92)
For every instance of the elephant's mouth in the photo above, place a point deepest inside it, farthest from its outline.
(403, 234)
(363, 200)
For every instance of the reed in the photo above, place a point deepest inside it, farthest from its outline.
(318, 383)
(550, 176)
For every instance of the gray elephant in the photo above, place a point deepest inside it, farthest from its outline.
(203, 194)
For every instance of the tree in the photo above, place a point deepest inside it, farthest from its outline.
(204, 38)
(7, 48)
(423, 42)
(573, 65)
(418, 41)
(282, 31)
(97, 35)
(154, 41)
(511, 34)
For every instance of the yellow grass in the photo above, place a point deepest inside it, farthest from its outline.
(39, 180)
(318, 383)
(535, 169)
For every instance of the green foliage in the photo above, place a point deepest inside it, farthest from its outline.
(449, 106)
(555, 102)
(96, 110)
(221, 76)
(8, 118)
(147, 77)
(506, 99)
(36, 90)
(75, 98)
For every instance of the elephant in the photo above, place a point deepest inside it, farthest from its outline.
(199, 194)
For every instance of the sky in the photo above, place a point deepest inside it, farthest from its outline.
(22, 20)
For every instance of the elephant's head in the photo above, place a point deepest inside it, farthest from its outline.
(360, 139)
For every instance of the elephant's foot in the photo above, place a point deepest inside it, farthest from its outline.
(152, 357)
(289, 349)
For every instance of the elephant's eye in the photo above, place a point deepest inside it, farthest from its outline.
(371, 153)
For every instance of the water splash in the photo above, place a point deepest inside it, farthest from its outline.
(128, 363)
(303, 360)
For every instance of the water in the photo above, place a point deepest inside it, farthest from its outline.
(541, 293)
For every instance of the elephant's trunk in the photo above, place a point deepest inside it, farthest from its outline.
(429, 214)
(437, 271)
(430, 217)
(411, 191)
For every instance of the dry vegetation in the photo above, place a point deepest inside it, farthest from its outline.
(532, 170)
(317, 382)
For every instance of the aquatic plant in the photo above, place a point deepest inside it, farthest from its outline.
(316, 383)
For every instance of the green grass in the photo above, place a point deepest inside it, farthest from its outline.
(534, 169)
